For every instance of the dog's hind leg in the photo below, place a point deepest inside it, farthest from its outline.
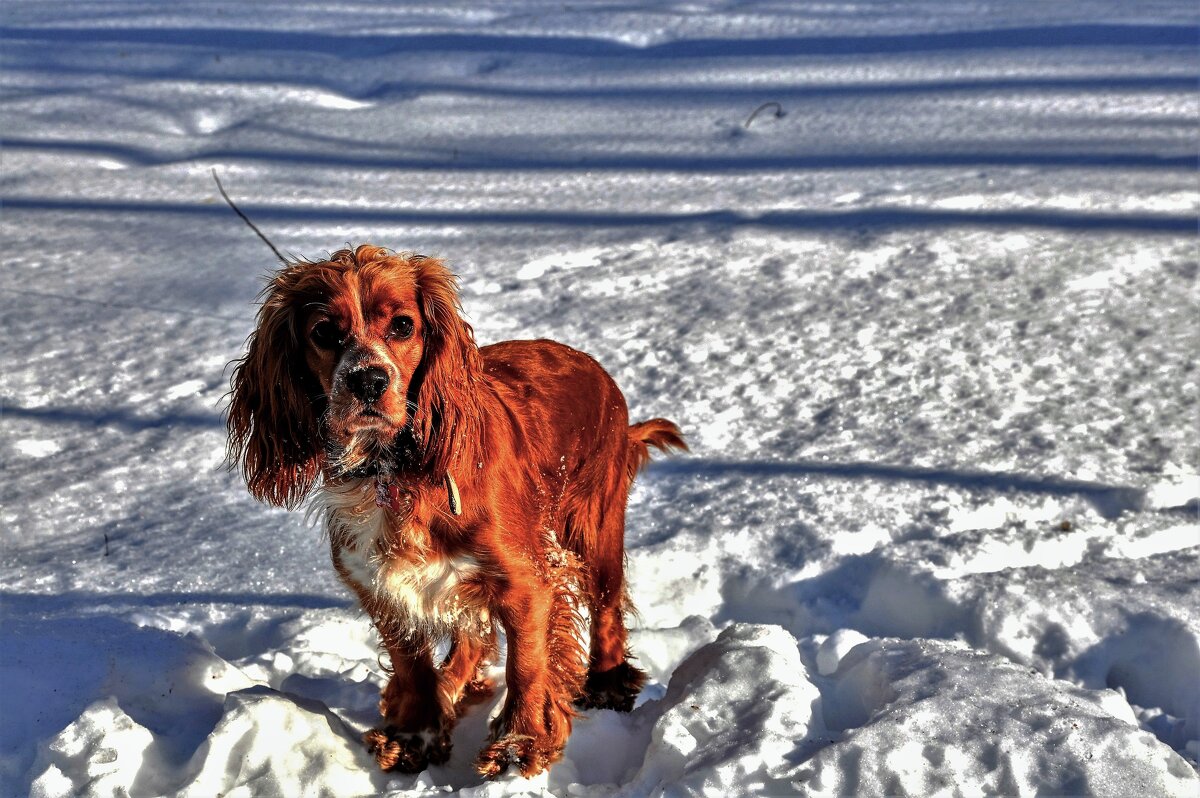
(612, 682)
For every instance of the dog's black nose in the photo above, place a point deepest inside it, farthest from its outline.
(367, 384)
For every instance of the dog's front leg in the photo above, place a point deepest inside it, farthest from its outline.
(417, 720)
(542, 673)
(519, 733)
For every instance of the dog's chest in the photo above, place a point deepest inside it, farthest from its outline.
(416, 585)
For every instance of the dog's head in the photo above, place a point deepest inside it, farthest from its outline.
(353, 358)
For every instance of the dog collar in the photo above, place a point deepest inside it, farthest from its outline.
(389, 495)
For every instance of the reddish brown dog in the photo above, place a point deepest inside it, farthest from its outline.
(462, 488)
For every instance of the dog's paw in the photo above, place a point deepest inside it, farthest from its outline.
(476, 691)
(615, 688)
(526, 753)
(406, 751)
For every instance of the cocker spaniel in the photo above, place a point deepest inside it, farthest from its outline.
(463, 489)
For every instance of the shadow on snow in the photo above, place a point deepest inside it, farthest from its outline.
(852, 220)
(1108, 500)
(370, 45)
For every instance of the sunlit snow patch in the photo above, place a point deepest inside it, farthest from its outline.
(1121, 270)
(560, 260)
(34, 447)
(188, 388)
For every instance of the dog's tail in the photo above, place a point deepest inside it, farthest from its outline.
(657, 432)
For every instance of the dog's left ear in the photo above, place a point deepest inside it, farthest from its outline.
(447, 422)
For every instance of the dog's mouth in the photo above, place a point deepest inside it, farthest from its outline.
(364, 417)
(358, 435)
(370, 423)
(361, 446)
(370, 417)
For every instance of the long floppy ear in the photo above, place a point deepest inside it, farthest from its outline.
(273, 430)
(447, 422)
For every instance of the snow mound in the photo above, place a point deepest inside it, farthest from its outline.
(731, 717)
(269, 743)
(102, 752)
(266, 744)
(925, 717)
(71, 675)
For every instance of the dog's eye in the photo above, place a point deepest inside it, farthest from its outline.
(402, 327)
(325, 334)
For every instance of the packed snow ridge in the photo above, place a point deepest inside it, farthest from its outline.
(930, 331)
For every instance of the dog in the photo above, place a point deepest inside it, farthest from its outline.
(464, 489)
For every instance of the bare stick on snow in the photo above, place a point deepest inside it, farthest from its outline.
(779, 112)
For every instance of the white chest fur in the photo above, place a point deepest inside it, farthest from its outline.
(418, 589)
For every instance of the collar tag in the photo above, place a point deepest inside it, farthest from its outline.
(452, 496)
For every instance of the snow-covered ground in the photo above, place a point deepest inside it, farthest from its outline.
(931, 333)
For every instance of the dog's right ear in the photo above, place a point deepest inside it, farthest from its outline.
(273, 431)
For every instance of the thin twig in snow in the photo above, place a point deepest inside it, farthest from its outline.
(778, 112)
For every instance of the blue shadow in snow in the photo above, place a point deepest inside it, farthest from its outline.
(1067, 155)
(12, 603)
(891, 218)
(120, 418)
(792, 92)
(1108, 500)
(370, 45)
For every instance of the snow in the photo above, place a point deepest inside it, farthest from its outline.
(930, 333)
(915, 723)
